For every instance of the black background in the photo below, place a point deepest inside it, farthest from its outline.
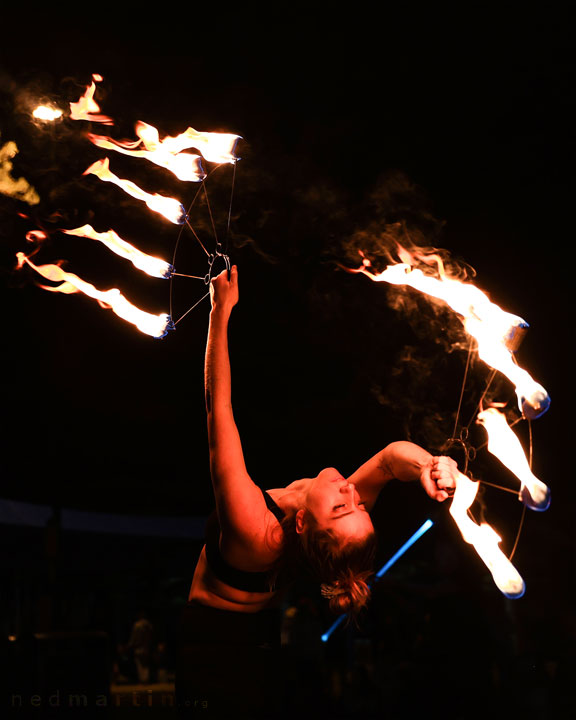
(473, 112)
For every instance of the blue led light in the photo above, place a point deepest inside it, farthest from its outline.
(384, 569)
(417, 535)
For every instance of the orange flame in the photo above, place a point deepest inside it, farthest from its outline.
(150, 265)
(148, 323)
(86, 107)
(492, 327)
(484, 540)
(503, 444)
(185, 166)
(36, 236)
(215, 147)
(47, 113)
(170, 208)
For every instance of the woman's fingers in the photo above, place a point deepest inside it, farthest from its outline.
(430, 484)
(444, 472)
(224, 289)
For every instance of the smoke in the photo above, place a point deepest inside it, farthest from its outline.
(18, 188)
(398, 224)
(398, 215)
(288, 211)
(424, 381)
(407, 348)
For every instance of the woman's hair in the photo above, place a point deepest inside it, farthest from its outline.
(343, 569)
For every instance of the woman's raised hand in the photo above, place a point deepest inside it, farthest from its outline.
(438, 477)
(224, 290)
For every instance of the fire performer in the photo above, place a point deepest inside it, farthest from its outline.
(256, 540)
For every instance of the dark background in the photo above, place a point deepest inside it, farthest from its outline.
(459, 126)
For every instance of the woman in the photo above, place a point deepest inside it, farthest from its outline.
(228, 664)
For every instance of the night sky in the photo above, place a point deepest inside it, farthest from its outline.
(459, 130)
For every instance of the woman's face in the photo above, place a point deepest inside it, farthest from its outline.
(335, 505)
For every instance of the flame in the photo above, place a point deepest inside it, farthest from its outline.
(214, 147)
(494, 329)
(503, 444)
(150, 265)
(484, 539)
(169, 208)
(148, 323)
(47, 113)
(185, 166)
(86, 107)
(168, 153)
(36, 236)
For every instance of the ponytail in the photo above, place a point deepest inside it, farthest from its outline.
(348, 594)
(342, 569)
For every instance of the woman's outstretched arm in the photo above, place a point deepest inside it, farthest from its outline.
(226, 454)
(239, 502)
(407, 462)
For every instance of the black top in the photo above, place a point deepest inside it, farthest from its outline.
(239, 579)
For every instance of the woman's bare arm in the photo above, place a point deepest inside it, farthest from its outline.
(407, 462)
(239, 502)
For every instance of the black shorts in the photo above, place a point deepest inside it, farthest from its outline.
(228, 664)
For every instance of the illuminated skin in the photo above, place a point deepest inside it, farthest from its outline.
(335, 504)
(251, 536)
(342, 505)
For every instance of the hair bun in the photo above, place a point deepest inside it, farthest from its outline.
(346, 594)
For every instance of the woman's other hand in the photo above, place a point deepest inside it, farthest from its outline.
(438, 477)
(224, 290)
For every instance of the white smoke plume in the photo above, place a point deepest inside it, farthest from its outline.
(18, 188)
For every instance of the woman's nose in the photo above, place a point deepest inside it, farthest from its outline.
(346, 487)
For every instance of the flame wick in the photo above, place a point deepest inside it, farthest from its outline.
(484, 540)
(493, 328)
(184, 166)
(505, 445)
(169, 208)
(170, 152)
(150, 265)
(148, 323)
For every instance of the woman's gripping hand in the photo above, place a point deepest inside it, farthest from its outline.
(438, 477)
(224, 290)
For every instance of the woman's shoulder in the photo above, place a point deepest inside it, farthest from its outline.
(254, 547)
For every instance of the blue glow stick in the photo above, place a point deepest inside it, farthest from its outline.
(384, 569)
(417, 535)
